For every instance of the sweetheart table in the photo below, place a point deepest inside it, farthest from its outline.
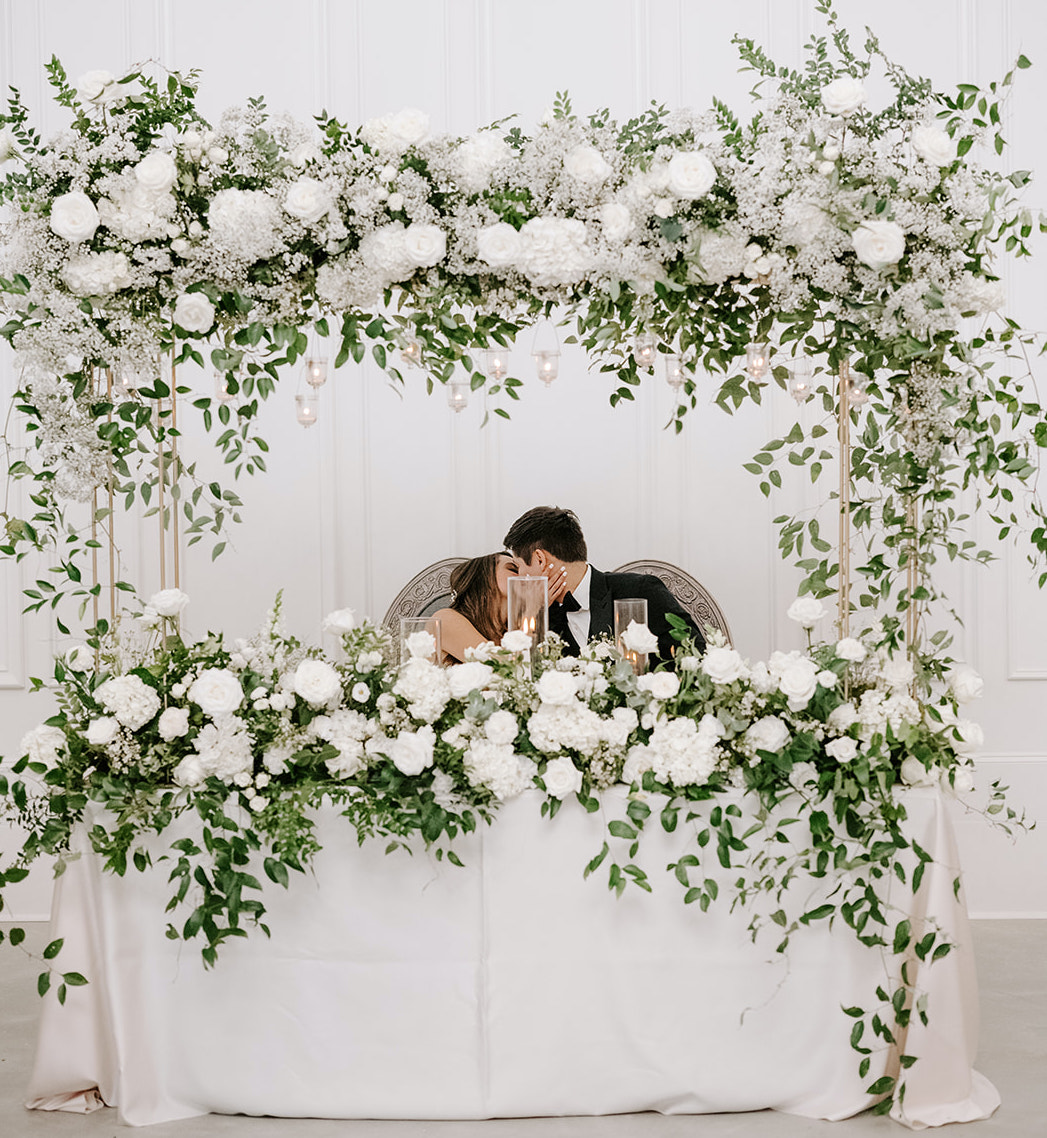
(397, 986)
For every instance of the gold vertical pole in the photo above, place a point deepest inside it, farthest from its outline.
(112, 513)
(844, 546)
(160, 491)
(912, 578)
(174, 457)
(94, 541)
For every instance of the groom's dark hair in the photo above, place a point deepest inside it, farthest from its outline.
(547, 527)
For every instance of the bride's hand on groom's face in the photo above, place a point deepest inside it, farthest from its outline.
(557, 574)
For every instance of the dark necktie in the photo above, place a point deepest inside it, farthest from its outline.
(558, 622)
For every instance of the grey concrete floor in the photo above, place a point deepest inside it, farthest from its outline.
(1012, 969)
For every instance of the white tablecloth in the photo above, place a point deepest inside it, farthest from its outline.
(401, 987)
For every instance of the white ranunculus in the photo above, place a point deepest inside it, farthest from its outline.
(74, 217)
(316, 682)
(216, 691)
(879, 243)
(499, 245)
(425, 245)
(723, 665)
(412, 751)
(587, 165)
(768, 734)
(966, 685)
(850, 649)
(616, 221)
(806, 611)
(798, 682)
(691, 174)
(843, 750)
(308, 200)
(562, 777)
(914, 773)
(409, 126)
(660, 685)
(95, 86)
(557, 688)
(193, 312)
(502, 727)
(639, 638)
(340, 621)
(169, 602)
(8, 145)
(173, 723)
(933, 145)
(843, 96)
(102, 731)
(464, 678)
(516, 640)
(130, 699)
(157, 172)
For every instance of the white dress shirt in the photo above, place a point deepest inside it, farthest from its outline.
(578, 622)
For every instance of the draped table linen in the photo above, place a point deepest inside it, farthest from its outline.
(398, 986)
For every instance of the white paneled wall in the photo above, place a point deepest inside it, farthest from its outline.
(390, 481)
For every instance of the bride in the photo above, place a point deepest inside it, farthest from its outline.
(479, 608)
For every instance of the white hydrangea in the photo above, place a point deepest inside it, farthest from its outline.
(223, 750)
(425, 687)
(97, 274)
(43, 744)
(243, 223)
(497, 767)
(553, 250)
(130, 699)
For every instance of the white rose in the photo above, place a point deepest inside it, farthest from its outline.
(190, 771)
(193, 312)
(843, 717)
(74, 217)
(316, 682)
(79, 658)
(216, 691)
(798, 682)
(639, 638)
(897, 672)
(664, 207)
(395, 202)
(361, 693)
(502, 727)
(308, 200)
(464, 678)
(850, 649)
(425, 245)
(562, 777)
(879, 243)
(587, 165)
(340, 621)
(843, 96)
(843, 750)
(156, 172)
(102, 731)
(933, 145)
(412, 751)
(557, 688)
(169, 602)
(498, 245)
(409, 126)
(806, 611)
(962, 780)
(616, 220)
(95, 86)
(516, 640)
(723, 665)
(661, 685)
(8, 146)
(768, 734)
(173, 723)
(691, 174)
(914, 773)
(970, 738)
(304, 153)
(966, 685)
(827, 679)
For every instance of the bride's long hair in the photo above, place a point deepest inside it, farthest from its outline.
(476, 596)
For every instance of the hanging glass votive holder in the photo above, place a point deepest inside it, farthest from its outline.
(545, 350)
(757, 358)
(645, 349)
(315, 371)
(801, 379)
(857, 389)
(458, 394)
(221, 386)
(675, 376)
(548, 366)
(412, 354)
(496, 363)
(307, 407)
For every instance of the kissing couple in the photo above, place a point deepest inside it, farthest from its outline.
(548, 542)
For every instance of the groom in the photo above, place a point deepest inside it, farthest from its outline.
(546, 541)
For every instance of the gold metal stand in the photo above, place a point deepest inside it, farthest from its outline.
(844, 545)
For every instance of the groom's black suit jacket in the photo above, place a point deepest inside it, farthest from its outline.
(606, 588)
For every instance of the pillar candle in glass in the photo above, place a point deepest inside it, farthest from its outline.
(414, 645)
(630, 611)
(529, 607)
